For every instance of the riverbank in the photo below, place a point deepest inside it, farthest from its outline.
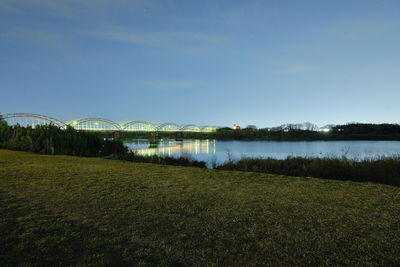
(362, 161)
(383, 170)
(76, 211)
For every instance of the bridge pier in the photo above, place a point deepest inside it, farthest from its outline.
(153, 139)
(179, 136)
(117, 135)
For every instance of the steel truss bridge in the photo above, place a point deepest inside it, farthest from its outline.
(103, 125)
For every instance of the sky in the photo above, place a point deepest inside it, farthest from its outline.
(206, 62)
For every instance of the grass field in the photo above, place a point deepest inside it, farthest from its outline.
(86, 211)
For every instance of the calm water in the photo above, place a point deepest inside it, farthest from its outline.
(220, 151)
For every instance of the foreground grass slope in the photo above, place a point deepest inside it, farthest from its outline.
(88, 211)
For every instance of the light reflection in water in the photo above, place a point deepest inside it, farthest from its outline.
(174, 148)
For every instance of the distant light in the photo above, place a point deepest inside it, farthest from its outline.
(325, 130)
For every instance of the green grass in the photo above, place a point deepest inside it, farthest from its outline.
(87, 211)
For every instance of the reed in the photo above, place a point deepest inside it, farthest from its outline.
(384, 170)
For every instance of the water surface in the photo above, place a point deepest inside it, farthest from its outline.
(221, 151)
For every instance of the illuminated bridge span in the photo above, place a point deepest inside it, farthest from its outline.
(103, 125)
(25, 119)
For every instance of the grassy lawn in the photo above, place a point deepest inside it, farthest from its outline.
(87, 211)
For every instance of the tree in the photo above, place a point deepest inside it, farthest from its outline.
(2, 120)
(310, 126)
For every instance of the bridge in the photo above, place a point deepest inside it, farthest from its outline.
(103, 125)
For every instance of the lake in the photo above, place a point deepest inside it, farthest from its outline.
(220, 151)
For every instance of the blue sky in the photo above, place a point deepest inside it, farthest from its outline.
(203, 62)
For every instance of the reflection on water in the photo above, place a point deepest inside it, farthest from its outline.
(212, 151)
(172, 148)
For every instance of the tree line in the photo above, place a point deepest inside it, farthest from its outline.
(290, 132)
(351, 131)
(50, 139)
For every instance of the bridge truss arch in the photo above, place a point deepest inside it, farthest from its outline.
(102, 125)
(168, 127)
(191, 128)
(138, 126)
(207, 129)
(94, 124)
(30, 119)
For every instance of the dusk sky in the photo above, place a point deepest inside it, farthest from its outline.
(202, 62)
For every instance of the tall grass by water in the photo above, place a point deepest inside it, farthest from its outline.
(385, 170)
(185, 161)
